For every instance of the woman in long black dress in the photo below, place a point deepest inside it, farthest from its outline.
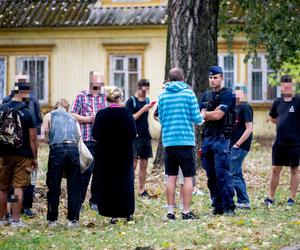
(114, 131)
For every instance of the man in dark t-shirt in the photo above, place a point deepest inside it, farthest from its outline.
(285, 113)
(240, 145)
(18, 162)
(139, 106)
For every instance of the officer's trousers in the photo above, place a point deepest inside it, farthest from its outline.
(216, 162)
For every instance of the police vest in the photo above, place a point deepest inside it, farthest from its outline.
(223, 126)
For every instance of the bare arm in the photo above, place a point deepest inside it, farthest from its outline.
(245, 135)
(83, 119)
(33, 146)
(273, 120)
(45, 128)
(144, 109)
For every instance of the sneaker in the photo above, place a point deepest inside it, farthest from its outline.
(52, 224)
(18, 224)
(94, 207)
(171, 216)
(243, 205)
(291, 202)
(229, 213)
(145, 195)
(269, 201)
(217, 211)
(198, 193)
(189, 216)
(114, 221)
(28, 213)
(72, 223)
(8, 217)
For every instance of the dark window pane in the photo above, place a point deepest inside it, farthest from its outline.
(132, 64)
(228, 63)
(257, 86)
(229, 78)
(2, 77)
(256, 63)
(132, 82)
(40, 79)
(119, 64)
(119, 80)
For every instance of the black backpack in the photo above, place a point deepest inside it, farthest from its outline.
(11, 127)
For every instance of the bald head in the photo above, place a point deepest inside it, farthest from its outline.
(176, 74)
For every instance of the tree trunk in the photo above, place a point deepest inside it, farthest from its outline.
(191, 46)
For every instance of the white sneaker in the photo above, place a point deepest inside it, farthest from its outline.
(52, 224)
(72, 224)
(198, 193)
(18, 224)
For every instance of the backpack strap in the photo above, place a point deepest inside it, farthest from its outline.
(133, 101)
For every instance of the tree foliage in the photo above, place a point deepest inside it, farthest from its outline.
(272, 24)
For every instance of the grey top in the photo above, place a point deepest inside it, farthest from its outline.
(62, 128)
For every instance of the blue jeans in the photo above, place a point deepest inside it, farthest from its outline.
(63, 158)
(236, 170)
(216, 162)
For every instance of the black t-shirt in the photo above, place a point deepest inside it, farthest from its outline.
(288, 121)
(244, 113)
(27, 122)
(142, 125)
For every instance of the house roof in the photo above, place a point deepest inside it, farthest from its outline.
(75, 13)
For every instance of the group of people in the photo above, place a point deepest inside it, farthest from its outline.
(118, 138)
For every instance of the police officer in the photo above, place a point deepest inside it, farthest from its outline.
(217, 106)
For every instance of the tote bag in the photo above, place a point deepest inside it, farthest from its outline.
(85, 156)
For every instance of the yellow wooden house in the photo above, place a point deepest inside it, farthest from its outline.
(58, 42)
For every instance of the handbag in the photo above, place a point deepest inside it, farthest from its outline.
(85, 156)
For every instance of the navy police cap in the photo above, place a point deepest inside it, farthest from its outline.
(214, 70)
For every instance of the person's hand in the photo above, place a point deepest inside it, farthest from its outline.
(147, 107)
(218, 108)
(34, 164)
(236, 146)
(90, 119)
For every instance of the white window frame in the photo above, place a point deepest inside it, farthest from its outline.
(45, 58)
(235, 64)
(5, 78)
(265, 71)
(125, 58)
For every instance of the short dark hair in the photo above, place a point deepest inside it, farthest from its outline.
(143, 83)
(286, 78)
(176, 74)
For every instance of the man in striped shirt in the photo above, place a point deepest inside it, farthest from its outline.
(178, 109)
(84, 109)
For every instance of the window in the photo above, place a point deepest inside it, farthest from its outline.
(37, 69)
(260, 89)
(2, 77)
(229, 65)
(125, 71)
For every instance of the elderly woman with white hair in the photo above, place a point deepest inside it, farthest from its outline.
(114, 130)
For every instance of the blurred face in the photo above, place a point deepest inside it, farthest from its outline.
(240, 95)
(288, 89)
(143, 90)
(96, 81)
(215, 81)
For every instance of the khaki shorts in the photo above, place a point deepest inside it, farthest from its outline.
(14, 172)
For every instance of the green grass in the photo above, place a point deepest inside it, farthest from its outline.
(259, 228)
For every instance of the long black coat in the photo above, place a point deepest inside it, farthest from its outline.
(114, 131)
